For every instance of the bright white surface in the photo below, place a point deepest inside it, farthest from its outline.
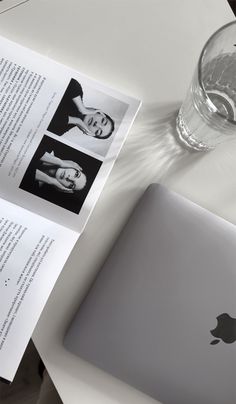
(148, 49)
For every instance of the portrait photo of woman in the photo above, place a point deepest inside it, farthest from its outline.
(63, 175)
(60, 174)
(85, 118)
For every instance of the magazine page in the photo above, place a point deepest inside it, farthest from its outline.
(60, 133)
(33, 251)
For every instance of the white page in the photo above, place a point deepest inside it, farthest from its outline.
(33, 251)
(32, 88)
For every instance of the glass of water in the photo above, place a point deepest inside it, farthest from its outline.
(207, 116)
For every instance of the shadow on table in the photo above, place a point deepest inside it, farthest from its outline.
(161, 153)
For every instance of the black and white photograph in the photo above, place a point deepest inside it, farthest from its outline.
(88, 118)
(60, 174)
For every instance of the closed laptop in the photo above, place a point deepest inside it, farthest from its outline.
(161, 315)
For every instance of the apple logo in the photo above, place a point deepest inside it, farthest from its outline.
(225, 329)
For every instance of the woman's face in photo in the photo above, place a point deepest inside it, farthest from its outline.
(98, 124)
(71, 178)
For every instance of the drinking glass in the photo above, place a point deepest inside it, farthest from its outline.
(207, 116)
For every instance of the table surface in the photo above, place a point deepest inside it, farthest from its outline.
(147, 49)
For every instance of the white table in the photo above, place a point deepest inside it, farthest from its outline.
(148, 49)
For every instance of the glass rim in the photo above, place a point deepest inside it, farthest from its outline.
(199, 70)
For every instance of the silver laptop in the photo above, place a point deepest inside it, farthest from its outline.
(161, 315)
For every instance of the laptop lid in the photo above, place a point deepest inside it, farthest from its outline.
(161, 314)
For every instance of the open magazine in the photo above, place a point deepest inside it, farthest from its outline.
(60, 133)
